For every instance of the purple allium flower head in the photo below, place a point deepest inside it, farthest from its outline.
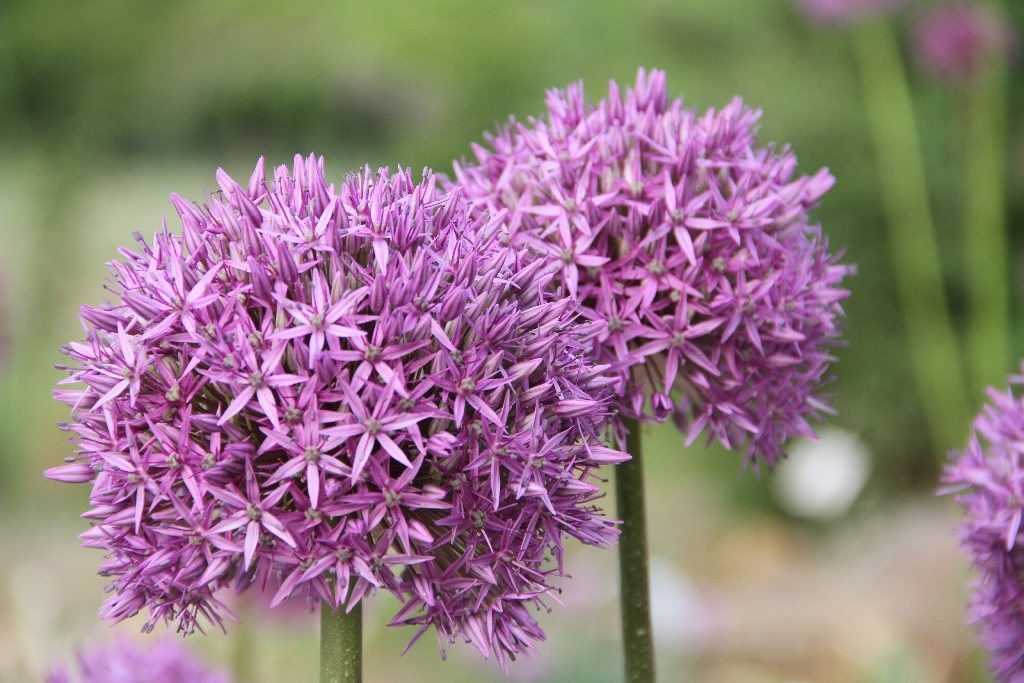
(846, 11)
(952, 42)
(126, 662)
(330, 391)
(688, 242)
(988, 481)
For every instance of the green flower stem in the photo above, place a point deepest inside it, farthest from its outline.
(341, 644)
(634, 581)
(988, 333)
(915, 254)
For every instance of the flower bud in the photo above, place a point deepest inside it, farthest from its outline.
(78, 473)
(378, 293)
(453, 304)
(286, 267)
(257, 180)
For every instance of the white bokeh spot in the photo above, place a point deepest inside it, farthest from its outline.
(821, 479)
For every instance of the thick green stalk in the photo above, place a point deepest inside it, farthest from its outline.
(912, 244)
(988, 335)
(341, 644)
(634, 581)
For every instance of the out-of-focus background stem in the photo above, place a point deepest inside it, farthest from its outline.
(988, 331)
(56, 183)
(911, 235)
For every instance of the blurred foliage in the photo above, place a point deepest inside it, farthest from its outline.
(94, 91)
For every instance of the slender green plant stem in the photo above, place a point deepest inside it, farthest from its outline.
(341, 644)
(915, 254)
(635, 591)
(988, 332)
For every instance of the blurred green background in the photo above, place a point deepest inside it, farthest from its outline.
(108, 106)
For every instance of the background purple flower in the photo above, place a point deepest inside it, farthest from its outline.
(844, 11)
(952, 42)
(690, 244)
(988, 480)
(126, 662)
(333, 391)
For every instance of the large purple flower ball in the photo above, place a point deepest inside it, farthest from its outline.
(688, 242)
(332, 391)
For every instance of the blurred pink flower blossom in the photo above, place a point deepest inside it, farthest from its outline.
(952, 42)
(126, 662)
(844, 11)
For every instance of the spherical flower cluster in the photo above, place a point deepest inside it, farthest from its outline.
(126, 662)
(953, 42)
(846, 11)
(989, 483)
(329, 392)
(689, 243)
